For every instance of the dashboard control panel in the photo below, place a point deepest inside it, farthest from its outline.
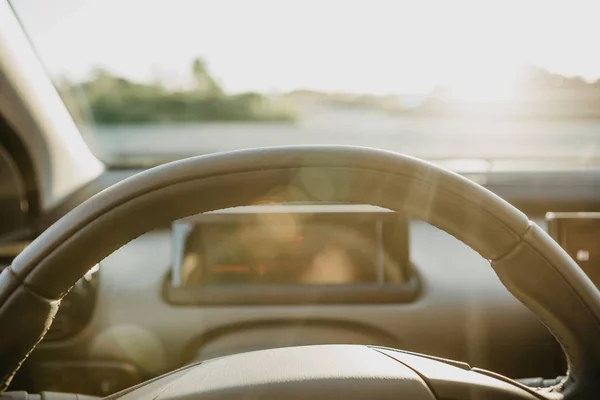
(579, 234)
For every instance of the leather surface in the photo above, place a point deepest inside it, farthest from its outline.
(127, 220)
(24, 319)
(327, 372)
(449, 381)
(337, 173)
(308, 372)
(545, 278)
(492, 227)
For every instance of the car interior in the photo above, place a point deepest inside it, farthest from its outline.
(306, 269)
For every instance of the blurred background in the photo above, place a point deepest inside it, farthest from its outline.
(475, 85)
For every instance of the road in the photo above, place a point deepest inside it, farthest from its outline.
(504, 143)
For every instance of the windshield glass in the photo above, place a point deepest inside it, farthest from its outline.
(510, 84)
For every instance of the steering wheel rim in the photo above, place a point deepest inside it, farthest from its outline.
(561, 295)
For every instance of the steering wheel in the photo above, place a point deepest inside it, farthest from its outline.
(532, 266)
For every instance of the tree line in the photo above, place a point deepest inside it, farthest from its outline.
(105, 98)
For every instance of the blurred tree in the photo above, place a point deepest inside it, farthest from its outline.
(108, 99)
(206, 86)
(105, 98)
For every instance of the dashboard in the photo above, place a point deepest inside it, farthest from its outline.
(579, 234)
(279, 275)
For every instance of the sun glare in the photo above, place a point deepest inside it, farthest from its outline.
(391, 47)
(484, 88)
(473, 80)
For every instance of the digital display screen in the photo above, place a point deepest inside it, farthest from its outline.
(285, 249)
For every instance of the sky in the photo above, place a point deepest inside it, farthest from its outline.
(372, 46)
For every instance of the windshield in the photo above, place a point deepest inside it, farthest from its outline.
(510, 84)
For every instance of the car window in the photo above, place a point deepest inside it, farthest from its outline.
(510, 84)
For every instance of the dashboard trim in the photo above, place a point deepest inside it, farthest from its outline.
(252, 295)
